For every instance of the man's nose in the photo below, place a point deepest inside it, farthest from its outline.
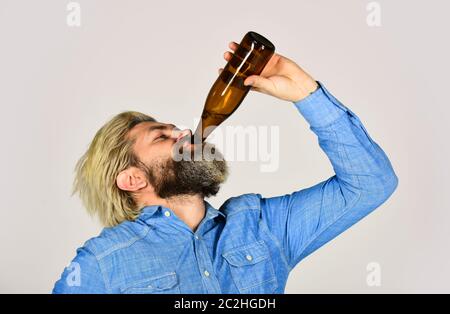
(179, 134)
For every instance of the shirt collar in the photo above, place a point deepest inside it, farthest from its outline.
(213, 212)
(148, 211)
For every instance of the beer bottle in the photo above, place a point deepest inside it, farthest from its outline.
(229, 90)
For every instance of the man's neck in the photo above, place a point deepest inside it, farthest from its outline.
(189, 208)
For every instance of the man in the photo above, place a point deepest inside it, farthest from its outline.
(163, 237)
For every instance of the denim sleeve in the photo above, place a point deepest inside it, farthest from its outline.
(82, 276)
(305, 220)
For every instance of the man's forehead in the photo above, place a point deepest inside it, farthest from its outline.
(144, 128)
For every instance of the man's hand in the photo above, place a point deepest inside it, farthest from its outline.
(281, 78)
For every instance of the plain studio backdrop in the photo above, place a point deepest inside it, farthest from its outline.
(59, 83)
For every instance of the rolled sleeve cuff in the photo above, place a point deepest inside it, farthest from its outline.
(320, 108)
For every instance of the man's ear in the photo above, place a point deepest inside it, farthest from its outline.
(131, 179)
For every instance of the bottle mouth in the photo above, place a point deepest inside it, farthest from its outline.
(261, 40)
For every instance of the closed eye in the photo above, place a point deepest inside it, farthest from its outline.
(160, 137)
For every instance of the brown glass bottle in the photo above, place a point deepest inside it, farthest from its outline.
(229, 90)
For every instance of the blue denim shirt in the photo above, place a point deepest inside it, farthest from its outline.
(251, 243)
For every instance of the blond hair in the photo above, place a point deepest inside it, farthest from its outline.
(108, 154)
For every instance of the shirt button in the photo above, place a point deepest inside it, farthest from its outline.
(167, 213)
(206, 273)
(249, 257)
(196, 237)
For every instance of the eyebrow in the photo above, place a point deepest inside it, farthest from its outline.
(157, 127)
(160, 127)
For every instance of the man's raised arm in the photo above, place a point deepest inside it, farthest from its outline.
(305, 220)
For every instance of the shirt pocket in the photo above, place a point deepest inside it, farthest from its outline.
(166, 283)
(252, 268)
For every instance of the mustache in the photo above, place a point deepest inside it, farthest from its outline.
(170, 178)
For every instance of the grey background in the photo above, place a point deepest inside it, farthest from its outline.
(59, 84)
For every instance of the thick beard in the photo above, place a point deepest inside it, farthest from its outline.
(187, 177)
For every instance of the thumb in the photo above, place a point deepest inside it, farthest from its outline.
(259, 83)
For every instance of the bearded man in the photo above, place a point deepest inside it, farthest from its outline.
(162, 236)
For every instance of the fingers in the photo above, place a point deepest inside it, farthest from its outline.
(260, 84)
(233, 46)
(229, 54)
